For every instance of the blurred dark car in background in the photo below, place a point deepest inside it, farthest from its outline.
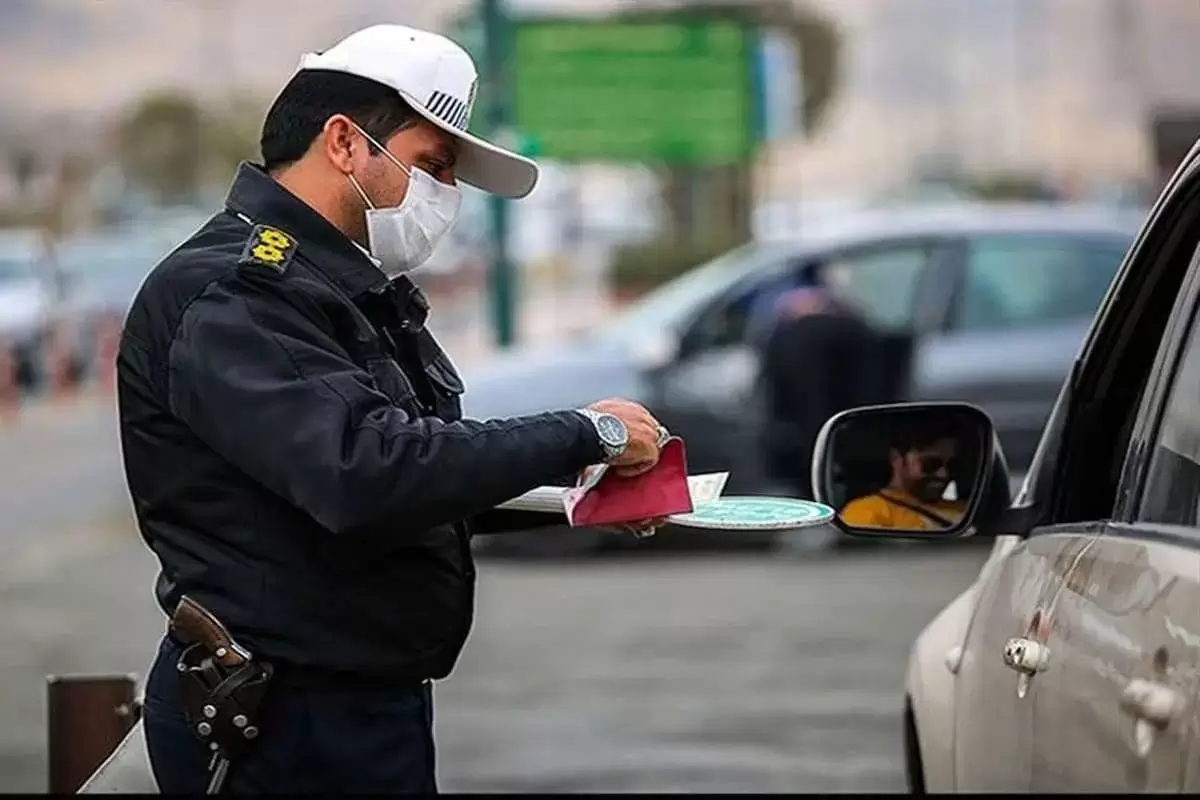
(996, 301)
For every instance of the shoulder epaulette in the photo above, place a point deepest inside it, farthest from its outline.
(269, 247)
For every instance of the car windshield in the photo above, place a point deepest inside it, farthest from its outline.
(671, 304)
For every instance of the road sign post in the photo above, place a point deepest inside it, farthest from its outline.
(496, 98)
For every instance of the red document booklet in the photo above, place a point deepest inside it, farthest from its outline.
(605, 498)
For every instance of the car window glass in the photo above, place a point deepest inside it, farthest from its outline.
(727, 322)
(1172, 487)
(1013, 282)
(881, 281)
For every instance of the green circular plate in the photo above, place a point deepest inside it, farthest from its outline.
(755, 514)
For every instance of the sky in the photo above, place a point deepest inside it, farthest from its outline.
(1043, 79)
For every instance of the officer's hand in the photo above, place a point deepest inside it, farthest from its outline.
(642, 529)
(641, 454)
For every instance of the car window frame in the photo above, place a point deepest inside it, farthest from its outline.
(1183, 329)
(1145, 270)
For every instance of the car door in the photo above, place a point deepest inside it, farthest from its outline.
(1056, 609)
(1115, 705)
(1022, 307)
(994, 703)
(1125, 708)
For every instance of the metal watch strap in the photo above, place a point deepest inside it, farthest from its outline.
(593, 417)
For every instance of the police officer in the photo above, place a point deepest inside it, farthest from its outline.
(292, 434)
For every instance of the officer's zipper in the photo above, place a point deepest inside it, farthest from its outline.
(380, 332)
(464, 540)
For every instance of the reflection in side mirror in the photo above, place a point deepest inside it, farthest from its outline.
(913, 470)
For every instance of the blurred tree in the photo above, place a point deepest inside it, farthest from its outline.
(1004, 186)
(172, 147)
(160, 146)
(231, 134)
(639, 267)
(818, 45)
(69, 209)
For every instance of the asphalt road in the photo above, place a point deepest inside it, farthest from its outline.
(705, 672)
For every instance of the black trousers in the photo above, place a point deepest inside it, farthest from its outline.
(313, 740)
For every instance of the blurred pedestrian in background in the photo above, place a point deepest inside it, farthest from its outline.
(819, 356)
(768, 306)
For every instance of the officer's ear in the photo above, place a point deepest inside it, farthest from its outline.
(341, 144)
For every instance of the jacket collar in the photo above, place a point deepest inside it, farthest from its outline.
(257, 195)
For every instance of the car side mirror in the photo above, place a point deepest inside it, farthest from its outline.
(912, 471)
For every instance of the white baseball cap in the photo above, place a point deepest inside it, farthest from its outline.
(438, 79)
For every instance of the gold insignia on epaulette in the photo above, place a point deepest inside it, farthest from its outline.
(269, 247)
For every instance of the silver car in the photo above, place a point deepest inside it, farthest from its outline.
(1072, 663)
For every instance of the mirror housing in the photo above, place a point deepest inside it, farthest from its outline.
(931, 470)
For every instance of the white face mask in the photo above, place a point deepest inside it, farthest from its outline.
(403, 237)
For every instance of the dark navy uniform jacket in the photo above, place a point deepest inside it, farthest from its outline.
(294, 447)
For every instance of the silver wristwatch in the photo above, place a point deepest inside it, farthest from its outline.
(614, 436)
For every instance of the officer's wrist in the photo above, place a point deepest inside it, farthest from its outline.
(589, 437)
(614, 436)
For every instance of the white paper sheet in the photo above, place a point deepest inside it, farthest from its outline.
(549, 499)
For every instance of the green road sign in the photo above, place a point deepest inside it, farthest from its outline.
(676, 91)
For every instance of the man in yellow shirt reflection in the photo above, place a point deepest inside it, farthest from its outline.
(915, 496)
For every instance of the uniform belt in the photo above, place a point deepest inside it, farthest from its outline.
(303, 676)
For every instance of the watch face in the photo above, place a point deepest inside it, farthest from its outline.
(612, 430)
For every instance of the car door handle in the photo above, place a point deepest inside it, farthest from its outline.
(1152, 701)
(1027, 657)
(1153, 706)
(954, 659)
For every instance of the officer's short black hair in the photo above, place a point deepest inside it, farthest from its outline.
(311, 97)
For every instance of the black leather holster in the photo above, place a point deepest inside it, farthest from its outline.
(223, 686)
